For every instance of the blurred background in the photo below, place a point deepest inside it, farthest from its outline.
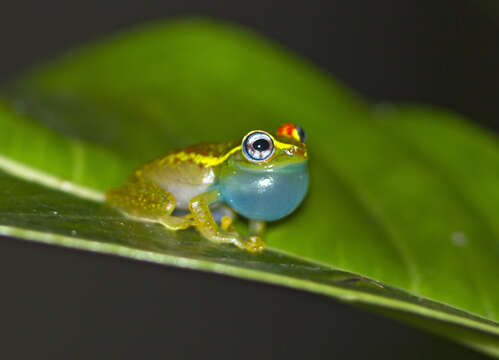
(63, 303)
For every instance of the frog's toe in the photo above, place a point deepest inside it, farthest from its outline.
(254, 244)
(226, 223)
(219, 211)
(176, 222)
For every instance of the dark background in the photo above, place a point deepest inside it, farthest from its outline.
(59, 303)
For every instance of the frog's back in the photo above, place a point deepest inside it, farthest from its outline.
(187, 172)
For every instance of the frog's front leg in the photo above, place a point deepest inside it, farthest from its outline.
(257, 228)
(206, 225)
(224, 216)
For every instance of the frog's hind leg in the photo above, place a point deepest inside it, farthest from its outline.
(142, 199)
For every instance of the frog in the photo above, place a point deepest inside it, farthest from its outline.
(207, 185)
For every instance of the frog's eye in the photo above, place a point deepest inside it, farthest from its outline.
(258, 146)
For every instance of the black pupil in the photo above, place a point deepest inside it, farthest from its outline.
(261, 145)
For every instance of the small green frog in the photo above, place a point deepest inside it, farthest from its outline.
(261, 178)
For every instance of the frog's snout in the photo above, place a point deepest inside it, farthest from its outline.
(300, 151)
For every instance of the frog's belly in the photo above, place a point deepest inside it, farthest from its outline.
(184, 193)
(184, 182)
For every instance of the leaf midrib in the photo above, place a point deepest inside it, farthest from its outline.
(476, 322)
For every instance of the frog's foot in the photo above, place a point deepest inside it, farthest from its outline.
(219, 212)
(253, 244)
(176, 222)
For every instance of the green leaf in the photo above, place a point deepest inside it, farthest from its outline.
(400, 214)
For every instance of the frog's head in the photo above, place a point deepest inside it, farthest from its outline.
(260, 150)
(266, 178)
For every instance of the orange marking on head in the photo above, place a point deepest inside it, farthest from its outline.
(288, 130)
(285, 129)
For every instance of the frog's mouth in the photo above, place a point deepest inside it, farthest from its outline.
(281, 168)
(294, 167)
